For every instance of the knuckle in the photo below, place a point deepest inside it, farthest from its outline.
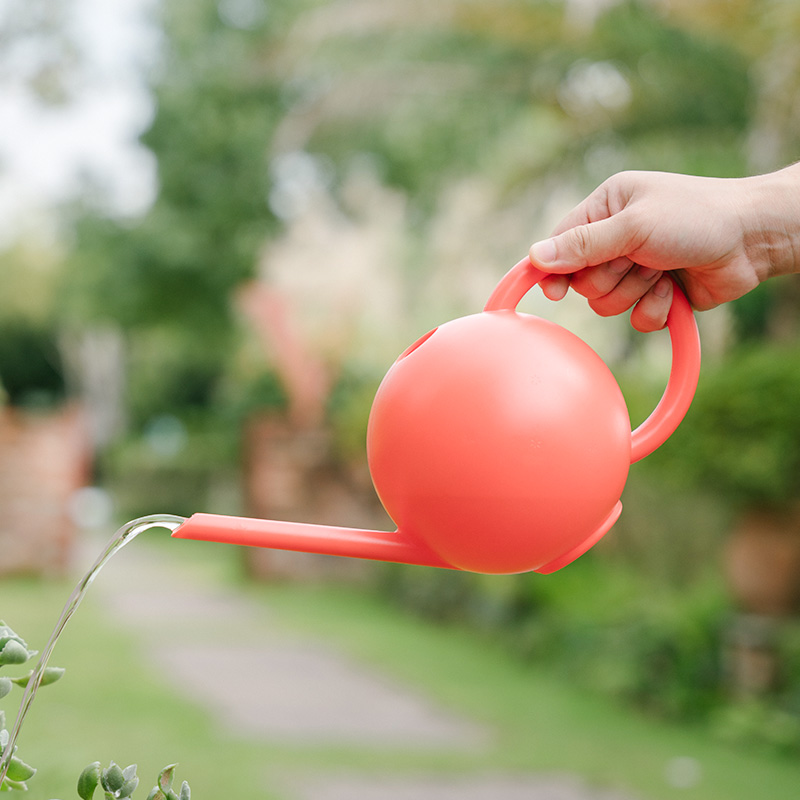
(580, 240)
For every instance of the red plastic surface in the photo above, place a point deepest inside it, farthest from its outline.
(498, 442)
(685, 372)
(304, 538)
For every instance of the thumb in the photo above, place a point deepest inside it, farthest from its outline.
(583, 246)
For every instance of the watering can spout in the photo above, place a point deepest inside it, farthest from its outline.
(305, 538)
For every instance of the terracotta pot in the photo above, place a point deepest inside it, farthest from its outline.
(44, 459)
(762, 563)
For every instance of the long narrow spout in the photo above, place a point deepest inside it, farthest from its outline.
(304, 538)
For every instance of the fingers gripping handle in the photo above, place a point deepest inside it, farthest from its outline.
(684, 374)
(682, 383)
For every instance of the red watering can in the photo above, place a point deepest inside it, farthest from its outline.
(498, 443)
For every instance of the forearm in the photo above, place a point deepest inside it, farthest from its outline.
(771, 222)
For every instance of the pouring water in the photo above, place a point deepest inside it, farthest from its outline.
(127, 533)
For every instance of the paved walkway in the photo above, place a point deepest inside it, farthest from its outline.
(290, 687)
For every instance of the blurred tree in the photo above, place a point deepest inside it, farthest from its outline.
(436, 93)
(216, 107)
(215, 111)
(31, 370)
(520, 93)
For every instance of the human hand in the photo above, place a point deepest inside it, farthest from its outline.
(719, 237)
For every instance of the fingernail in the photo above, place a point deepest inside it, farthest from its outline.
(544, 252)
(662, 288)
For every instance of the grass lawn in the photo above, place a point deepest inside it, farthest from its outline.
(113, 705)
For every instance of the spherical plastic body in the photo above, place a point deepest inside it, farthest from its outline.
(501, 441)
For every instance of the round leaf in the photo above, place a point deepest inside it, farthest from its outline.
(51, 675)
(112, 778)
(13, 653)
(88, 781)
(19, 771)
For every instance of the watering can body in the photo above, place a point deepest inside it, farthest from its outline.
(499, 443)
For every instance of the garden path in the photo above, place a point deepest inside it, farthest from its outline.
(292, 687)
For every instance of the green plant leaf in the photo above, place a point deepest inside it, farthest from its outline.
(13, 653)
(6, 634)
(156, 794)
(13, 786)
(128, 788)
(119, 783)
(19, 771)
(88, 781)
(50, 675)
(112, 778)
(186, 792)
(165, 778)
(5, 686)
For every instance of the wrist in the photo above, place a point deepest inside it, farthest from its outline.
(771, 222)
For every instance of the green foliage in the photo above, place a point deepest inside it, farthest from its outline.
(610, 628)
(770, 723)
(348, 412)
(117, 783)
(751, 313)
(513, 95)
(263, 393)
(171, 374)
(215, 115)
(681, 80)
(14, 651)
(171, 462)
(659, 651)
(741, 437)
(429, 104)
(760, 724)
(516, 96)
(164, 791)
(30, 364)
(89, 780)
(603, 626)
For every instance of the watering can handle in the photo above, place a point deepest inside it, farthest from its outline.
(684, 374)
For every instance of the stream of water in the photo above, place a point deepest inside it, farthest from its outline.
(127, 533)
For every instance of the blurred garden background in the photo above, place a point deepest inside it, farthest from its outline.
(307, 187)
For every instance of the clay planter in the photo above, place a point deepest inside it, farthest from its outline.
(762, 563)
(44, 459)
